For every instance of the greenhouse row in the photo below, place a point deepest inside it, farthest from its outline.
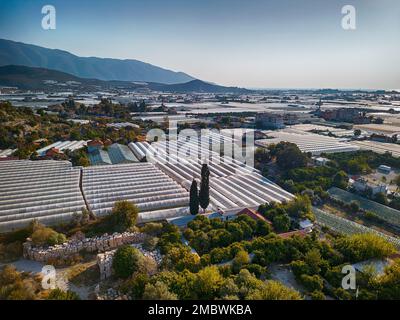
(156, 195)
(308, 142)
(386, 213)
(347, 227)
(232, 184)
(63, 145)
(44, 190)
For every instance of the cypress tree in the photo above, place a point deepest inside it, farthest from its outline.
(204, 194)
(194, 198)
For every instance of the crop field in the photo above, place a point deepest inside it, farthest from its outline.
(386, 213)
(347, 227)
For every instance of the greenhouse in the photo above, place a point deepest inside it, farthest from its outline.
(307, 142)
(233, 185)
(386, 213)
(44, 190)
(156, 195)
(63, 146)
(347, 227)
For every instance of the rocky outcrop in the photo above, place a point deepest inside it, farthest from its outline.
(75, 246)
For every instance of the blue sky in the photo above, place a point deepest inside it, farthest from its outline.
(252, 43)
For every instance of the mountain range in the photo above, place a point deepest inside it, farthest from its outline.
(33, 78)
(17, 53)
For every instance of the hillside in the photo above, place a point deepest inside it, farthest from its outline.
(17, 53)
(28, 78)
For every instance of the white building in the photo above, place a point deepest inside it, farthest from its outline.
(362, 185)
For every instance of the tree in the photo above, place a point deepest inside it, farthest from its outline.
(194, 198)
(312, 283)
(289, 156)
(341, 180)
(354, 206)
(362, 247)
(204, 194)
(158, 291)
(281, 222)
(181, 258)
(397, 181)
(357, 132)
(272, 290)
(127, 260)
(241, 259)
(389, 282)
(263, 228)
(313, 260)
(42, 235)
(135, 285)
(381, 198)
(208, 282)
(123, 216)
(58, 294)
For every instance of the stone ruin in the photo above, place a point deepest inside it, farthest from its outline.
(104, 260)
(74, 246)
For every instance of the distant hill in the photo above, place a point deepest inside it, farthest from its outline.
(32, 78)
(17, 53)
(36, 78)
(196, 86)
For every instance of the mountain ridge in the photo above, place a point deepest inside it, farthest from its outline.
(34, 78)
(19, 53)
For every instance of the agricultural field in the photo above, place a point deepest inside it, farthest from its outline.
(386, 213)
(348, 227)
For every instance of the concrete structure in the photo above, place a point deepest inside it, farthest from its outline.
(347, 115)
(269, 120)
(362, 185)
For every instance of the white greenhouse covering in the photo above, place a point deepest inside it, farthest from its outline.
(44, 190)
(308, 142)
(232, 184)
(63, 145)
(155, 193)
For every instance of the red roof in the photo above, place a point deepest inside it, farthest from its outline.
(253, 214)
(95, 143)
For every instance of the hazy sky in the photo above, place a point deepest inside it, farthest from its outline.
(252, 43)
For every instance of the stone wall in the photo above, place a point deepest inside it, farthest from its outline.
(97, 244)
(104, 260)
